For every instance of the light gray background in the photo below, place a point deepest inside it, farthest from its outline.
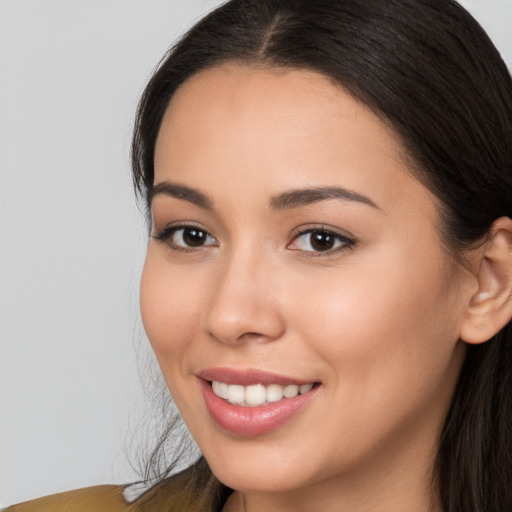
(71, 238)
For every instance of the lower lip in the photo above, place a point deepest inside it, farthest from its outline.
(253, 421)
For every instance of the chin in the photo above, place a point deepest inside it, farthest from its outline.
(262, 469)
(262, 480)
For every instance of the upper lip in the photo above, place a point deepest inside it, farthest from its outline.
(248, 377)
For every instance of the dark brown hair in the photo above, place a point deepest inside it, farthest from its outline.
(429, 70)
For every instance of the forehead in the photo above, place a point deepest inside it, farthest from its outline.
(297, 102)
(276, 128)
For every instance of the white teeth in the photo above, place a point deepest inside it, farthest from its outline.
(291, 391)
(257, 394)
(305, 388)
(220, 389)
(236, 394)
(274, 393)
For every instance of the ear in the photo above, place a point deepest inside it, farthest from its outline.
(490, 308)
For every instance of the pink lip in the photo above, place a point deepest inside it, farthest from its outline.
(248, 377)
(251, 421)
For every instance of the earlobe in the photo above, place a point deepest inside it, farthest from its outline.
(490, 308)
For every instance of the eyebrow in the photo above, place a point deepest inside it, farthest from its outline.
(285, 201)
(183, 192)
(303, 197)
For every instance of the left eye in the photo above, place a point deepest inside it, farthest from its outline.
(186, 237)
(192, 237)
(320, 240)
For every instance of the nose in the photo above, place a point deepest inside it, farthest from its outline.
(244, 303)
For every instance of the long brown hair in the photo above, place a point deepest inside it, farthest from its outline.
(429, 70)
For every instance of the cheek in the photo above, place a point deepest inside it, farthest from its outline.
(170, 305)
(382, 325)
(171, 302)
(388, 345)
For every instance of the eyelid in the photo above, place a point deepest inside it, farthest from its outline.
(164, 236)
(348, 239)
(307, 228)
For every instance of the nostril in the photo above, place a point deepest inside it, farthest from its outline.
(232, 337)
(240, 313)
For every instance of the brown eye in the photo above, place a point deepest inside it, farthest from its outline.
(320, 240)
(186, 237)
(193, 237)
(190, 237)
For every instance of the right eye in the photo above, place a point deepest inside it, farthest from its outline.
(186, 237)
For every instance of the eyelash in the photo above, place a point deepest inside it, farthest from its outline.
(165, 236)
(346, 243)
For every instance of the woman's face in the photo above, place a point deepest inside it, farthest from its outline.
(292, 247)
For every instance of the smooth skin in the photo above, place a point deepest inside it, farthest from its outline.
(374, 312)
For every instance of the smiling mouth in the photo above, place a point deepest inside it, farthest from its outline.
(253, 402)
(257, 395)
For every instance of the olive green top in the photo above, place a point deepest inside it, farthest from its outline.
(182, 492)
(101, 498)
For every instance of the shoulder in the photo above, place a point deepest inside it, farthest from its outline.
(182, 492)
(100, 498)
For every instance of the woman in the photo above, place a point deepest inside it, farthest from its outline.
(328, 280)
